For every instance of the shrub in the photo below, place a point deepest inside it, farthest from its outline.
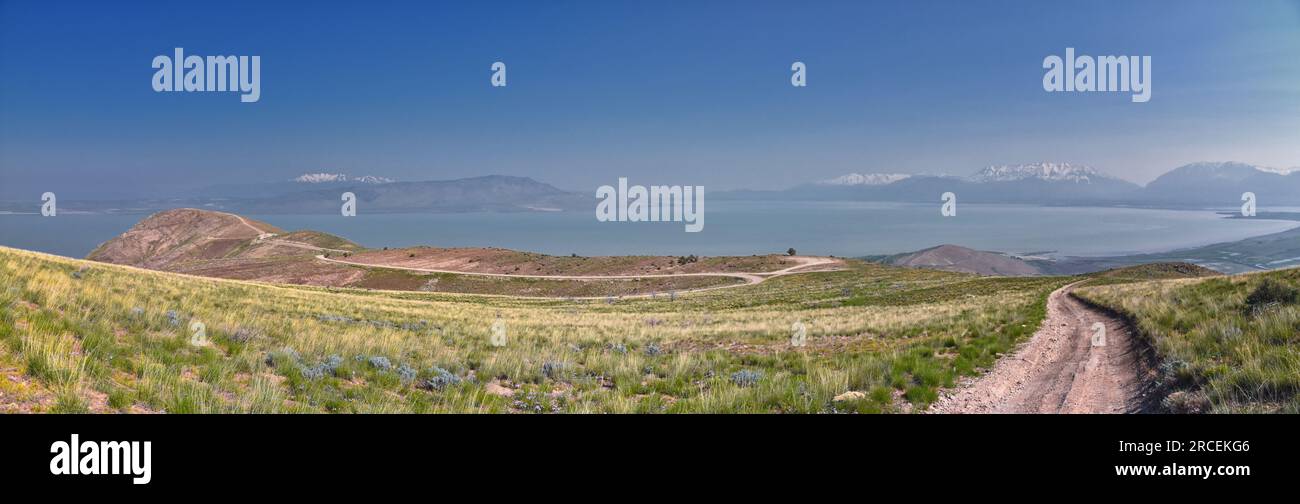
(313, 373)
(552, 369)
(1271, 293)
(441, 379)
(243, 335)
(535, 402)
(1186, 402)
(284, 355)
(381, 363)
(325, 368)
(746, 378)
(406, 373)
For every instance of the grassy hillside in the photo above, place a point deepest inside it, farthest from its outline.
(86, 336)
(1152, 271)
(505, 261)
(1226, 344)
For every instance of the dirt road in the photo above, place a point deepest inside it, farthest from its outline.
(804, 262)
(1064, 368)
(263, 236)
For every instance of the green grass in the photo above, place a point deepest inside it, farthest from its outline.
(1147, 272)
(106, 342)
(394, 279)
(1225, 344)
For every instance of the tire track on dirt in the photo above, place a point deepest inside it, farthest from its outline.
(1063, 368)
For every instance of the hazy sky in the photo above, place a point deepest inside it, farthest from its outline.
(691, 93)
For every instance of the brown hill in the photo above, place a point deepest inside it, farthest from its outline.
(179, 235)
(224, 245)
(962, 259)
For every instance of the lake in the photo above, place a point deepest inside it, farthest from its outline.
(730, 228)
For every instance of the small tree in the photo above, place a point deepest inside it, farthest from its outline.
(790, 252)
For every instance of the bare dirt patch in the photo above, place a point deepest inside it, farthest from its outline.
(1060, 369)
(21, 394)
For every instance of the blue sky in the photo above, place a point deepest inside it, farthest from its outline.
(691, 93)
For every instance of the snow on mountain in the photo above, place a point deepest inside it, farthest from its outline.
(1279, 171)
(1212, 172)
(316, 178)
(873, 179)
(319, 178)
(1223, 183)
(1055, 172)
(1058, 172)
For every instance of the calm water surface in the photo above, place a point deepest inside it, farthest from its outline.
(730, 228)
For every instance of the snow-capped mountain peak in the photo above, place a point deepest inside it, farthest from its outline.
(1062, 172)
(320, 178)
(872, 179)
(1279, 171)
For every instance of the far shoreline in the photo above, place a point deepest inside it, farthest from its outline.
(1281, 248)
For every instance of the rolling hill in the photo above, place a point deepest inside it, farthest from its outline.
(962, 259)
(88, 336)
(224, 245)
(84, 336)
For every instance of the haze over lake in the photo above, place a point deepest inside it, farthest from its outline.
(731, 228)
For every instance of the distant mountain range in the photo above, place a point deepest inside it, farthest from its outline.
(1197, 185)
(491, 193)
(1051, 172)
(319, 178)
(853, 179)
(304, 182)
(1193, 185)
(1029, 183)
(1222, 184)
(321, 193)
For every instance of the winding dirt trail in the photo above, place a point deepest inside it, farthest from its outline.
(263, 236)
(1060, 369)
(803, 262)
(749, 278)
(306, 246)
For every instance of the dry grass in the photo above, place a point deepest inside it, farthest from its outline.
(1223, 346)
(122, 336)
